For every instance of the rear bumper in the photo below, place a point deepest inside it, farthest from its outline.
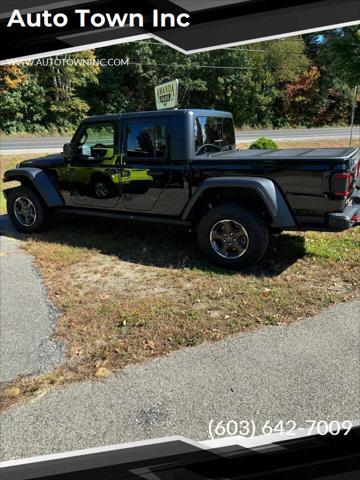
(349, 217)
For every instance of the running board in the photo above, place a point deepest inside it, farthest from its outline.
(124, 216)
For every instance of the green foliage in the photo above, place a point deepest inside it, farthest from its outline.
(10, 77)
(263, 143)
(290, 82)
(342, 48)
(23, 108)
(336, 55)
(47, 96)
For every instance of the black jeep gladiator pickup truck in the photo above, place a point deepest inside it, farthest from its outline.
(182, 167)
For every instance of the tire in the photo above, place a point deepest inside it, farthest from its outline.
(39, 216)
(246, 232)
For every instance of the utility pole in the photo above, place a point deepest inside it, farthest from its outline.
(353, 114)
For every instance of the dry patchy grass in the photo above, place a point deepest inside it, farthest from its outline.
(128, 292)
(7, 162)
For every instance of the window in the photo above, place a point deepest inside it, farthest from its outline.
(217, 131)
(97, 141)
(145, 140)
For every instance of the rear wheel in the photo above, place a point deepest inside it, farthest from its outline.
(27, 211)
(233, 236)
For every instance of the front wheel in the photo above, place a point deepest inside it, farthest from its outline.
(27, 211)
(233, 236)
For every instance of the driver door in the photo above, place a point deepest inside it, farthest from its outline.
(93, 175)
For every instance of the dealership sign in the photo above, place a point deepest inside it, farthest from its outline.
(166, 95)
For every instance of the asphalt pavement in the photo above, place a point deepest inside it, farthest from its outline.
(26, 317)
(54, 144)
(299, 133)
(306, 371)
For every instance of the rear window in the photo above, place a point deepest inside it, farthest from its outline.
(217, 131)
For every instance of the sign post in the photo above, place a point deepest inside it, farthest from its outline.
(167, 94)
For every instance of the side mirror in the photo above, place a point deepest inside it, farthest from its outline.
(68, 151)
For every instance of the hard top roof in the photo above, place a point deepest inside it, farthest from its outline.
(151, 113)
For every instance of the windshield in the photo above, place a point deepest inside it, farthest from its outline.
(215, 132)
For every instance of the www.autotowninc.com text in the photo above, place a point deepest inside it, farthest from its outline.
(70, 62)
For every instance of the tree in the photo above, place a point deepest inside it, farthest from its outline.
(336, 55)
(125, 88)
(62, 77)
(342, 48)
(294, 81)
(23, 107)
(299, 97)
(11, 76)
(45, 94)
(270, 65)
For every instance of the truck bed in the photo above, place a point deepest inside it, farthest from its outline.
(303, 175)
(293, 153)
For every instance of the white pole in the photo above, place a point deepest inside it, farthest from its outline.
(353, 114)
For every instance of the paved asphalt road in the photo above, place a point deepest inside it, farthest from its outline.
(53, 144)
(300, 133)
(26, 318)
(309, 370)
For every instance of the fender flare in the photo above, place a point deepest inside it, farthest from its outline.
(40, 181)
(268, 191)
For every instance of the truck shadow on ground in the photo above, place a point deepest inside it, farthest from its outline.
(160, 246)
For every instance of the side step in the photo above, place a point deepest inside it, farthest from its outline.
(355, 197)
(347, 218)
(124, 216)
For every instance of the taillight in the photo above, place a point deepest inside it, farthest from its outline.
(341, 184)
(357, 170)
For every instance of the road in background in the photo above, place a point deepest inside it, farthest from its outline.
(55, 144)
(23, 145)
(299, 133)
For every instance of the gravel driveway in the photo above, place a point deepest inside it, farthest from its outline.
(308, 370)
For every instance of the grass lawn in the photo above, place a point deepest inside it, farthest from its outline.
(7, 162)
(127, 292)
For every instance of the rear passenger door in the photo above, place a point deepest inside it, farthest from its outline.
(146, 166)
